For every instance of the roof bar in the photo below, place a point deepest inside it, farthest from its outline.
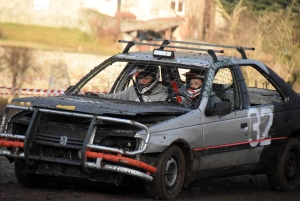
(239, 49)
(128, 46)
(163, 45)
(203, 44)
(165, 42)
(213, 55)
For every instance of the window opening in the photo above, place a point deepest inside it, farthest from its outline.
(260, 89)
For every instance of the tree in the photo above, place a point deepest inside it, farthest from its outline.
(259, 6)
(281, 31)
(275, 36)
(18, 60)
(232, 17)
(59, 75)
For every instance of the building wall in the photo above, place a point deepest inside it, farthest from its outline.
(59, 13)
(54, 13)
(107, 7)
(67, 13)
(151, 9)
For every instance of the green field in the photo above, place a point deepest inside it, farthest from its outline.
(55, 39)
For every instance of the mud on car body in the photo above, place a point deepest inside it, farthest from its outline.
(86, 134)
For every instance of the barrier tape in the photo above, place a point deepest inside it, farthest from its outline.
(20, 94)
(26, 79)
(48, 91)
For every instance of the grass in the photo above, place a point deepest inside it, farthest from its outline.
(55, 39)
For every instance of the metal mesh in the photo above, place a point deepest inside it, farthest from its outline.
(224, 88)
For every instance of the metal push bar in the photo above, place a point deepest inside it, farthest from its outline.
(115, 150)
(8, 140)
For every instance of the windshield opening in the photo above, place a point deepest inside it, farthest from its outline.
(145, 81)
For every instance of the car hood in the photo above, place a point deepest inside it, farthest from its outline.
(102, 106)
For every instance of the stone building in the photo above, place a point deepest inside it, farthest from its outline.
(169, 18)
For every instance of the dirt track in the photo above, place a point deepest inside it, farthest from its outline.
(225, 189)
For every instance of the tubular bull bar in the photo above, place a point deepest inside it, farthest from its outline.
(115, 155)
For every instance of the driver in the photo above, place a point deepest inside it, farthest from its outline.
(146, 88)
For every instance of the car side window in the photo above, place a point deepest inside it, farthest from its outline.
(260, 89)
(225, 88)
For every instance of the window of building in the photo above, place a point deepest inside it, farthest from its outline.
(173, 5)
(177, 5)
(180, 7)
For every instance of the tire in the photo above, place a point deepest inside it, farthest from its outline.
(287, 174)
(168, 180)
(28, 179)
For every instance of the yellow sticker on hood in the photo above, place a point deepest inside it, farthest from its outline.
(66, 107)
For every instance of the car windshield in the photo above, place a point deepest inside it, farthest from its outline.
(119, 79)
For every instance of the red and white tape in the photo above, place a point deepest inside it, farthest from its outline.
(48, 91)
(26, 78)
(20, 94)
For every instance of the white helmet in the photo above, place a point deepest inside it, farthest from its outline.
(191, 91)
(142, 72)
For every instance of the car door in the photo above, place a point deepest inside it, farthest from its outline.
(270, 116)
(225, 138)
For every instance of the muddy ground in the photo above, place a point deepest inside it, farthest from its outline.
(225, 189)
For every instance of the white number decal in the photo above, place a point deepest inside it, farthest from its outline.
(261, 122)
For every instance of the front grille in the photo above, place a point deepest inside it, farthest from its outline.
(58, 141)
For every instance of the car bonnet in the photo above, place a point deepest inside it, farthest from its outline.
(101, 106)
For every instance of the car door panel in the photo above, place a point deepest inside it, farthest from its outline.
(225, 140)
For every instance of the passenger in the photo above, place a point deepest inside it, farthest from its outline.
(193, 89)
(146, 88)
(194, 84)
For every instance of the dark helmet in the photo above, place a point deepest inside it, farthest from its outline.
(143, 71)
(193, 92)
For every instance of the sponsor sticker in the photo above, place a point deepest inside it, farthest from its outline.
(66, 107)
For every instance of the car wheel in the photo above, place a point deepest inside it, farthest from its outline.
(287, 175)
(168, 180)
(28, 179)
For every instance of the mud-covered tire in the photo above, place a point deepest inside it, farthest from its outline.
(168, 180)
(28, 179)
(287, 174)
